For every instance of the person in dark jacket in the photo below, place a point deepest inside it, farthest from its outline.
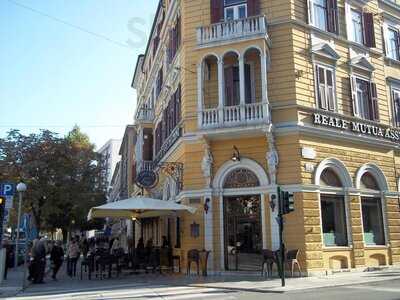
(9, 259)
(57, 258)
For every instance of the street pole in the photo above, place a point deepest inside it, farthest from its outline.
(281, 243)
(18, 229)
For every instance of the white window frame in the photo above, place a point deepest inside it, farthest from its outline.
(349, 6)
(235, 8)
(389, 25)
(316, 86)
(394, 89)
(361, 109)
(311, 15)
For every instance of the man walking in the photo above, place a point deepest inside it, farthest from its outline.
(56, 257)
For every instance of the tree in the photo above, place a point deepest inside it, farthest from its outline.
(65, 176)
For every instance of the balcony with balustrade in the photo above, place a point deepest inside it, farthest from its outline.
(232, 31)
(232, 90)
(145, 115)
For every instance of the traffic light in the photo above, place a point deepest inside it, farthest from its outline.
(287, 203)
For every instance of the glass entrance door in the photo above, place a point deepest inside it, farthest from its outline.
(243, 233)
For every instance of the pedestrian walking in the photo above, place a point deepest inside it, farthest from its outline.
(9, 259)
(39, 252)
(57, 258)
(73, 256)
(84, 246)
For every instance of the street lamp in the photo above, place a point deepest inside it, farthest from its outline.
(21, 188)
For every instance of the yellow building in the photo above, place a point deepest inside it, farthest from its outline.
(236, 97)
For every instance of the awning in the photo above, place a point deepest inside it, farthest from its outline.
(137, 207)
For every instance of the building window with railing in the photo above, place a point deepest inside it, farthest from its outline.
(229, 10)
(325, 87)
(364, 99)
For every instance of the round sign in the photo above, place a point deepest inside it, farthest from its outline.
(147, 179)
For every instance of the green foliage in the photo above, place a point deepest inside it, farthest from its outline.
(65, 176)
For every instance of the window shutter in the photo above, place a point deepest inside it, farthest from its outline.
(309, 12)
(253, 7)
(397, 45)
(178, 32)
(353, 85)
(332, 16)
(369, 33)
(374, 107)
(178, 105)
(396, 107)
(384, 37)
(321, 90)
(134, 173)
(217, 11)
(330, 92)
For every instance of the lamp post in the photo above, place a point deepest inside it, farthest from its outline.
(21, 188)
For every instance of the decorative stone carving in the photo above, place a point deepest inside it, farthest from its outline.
(272, 156)
(241, 178)
(206, 165)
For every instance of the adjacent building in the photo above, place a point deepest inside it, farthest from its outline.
(236, 97)
(109, 152)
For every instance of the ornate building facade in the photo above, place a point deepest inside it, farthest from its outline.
(236, 97)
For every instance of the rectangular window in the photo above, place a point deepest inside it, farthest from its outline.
(365, 99)
(320, 14)
(374, 233)
(236, 12)
(334, 225)
(396, 107)
(357, 27)
(393, 44)
(326, 98)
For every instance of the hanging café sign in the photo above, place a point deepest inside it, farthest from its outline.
(357, 127)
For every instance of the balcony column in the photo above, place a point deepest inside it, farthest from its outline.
(242, 87)
(221, 90)
(200, 99)
(264, 84)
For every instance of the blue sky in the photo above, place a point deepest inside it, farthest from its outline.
(54, 75)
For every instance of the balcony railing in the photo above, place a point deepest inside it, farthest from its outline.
(238, 115)
(145, 115)
(230, 30)
(145, 165)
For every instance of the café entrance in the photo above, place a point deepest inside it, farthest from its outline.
(243, 233)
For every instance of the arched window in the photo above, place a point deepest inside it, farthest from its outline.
(330, 178)
(241, 178)
(372, 213)
(333, 211)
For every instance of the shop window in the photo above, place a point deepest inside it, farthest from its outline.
(334, 225)
(325, 79)
(373, 221)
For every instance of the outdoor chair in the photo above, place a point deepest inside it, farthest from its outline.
(193, 256)
(269, 259)
(292, 260)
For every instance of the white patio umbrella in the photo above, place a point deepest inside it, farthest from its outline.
(137, 207)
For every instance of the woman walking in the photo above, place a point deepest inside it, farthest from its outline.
(73, 256)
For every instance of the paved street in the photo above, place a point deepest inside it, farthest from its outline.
(382, 285)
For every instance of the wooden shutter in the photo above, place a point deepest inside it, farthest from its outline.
(253, 8)
(374, 107)
(396, 107)
(330, 90)
(353, 86)
(321, 87)
(398, 44)
(178, 105)
(369, 33)
(332, 16)
(178, 32)
(247, 81)
(217, 10)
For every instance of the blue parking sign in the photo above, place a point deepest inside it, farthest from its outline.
(7, 189)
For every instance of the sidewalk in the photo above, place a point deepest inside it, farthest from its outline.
(13, 284)
(75, 288)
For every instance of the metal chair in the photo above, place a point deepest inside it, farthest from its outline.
(269, 259)
(193, 256)
(292, 260)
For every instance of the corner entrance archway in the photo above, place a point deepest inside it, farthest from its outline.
(243, 233)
